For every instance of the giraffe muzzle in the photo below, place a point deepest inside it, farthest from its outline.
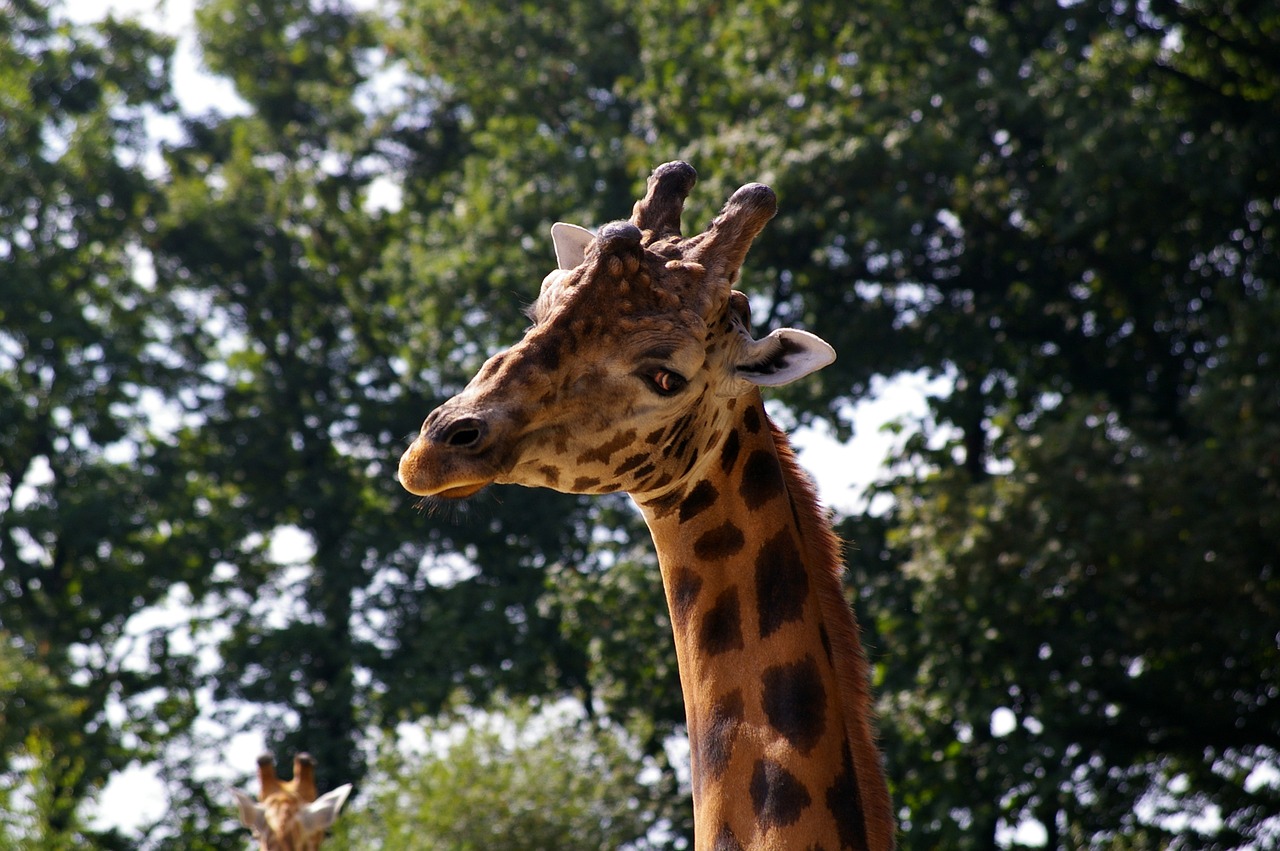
(449, 458)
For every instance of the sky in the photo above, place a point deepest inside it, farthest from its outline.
(136, 796)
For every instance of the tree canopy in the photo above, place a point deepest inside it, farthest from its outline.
(562, 782)
(217, 343)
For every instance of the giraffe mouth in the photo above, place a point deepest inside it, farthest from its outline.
(461, 491)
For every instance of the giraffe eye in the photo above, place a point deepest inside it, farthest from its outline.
(666, 382)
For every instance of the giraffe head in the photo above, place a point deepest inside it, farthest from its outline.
(287, 815)
(638, 351)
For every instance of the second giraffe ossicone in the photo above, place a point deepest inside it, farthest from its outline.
(287, 815)
(640, 374)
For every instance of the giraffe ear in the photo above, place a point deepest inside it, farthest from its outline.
(321, 813)
(782, 357)
(252, 815)
(571, 243)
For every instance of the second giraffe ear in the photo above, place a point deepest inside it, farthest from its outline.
(252, 815)
(321, 813)
(783, 357)
(571, 243)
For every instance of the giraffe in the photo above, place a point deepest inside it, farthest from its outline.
(288, 816)
(639, 374)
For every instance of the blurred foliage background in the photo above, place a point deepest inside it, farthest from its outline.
(219, 328)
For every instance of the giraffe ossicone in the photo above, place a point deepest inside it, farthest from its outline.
(287, 816)
(639, 373)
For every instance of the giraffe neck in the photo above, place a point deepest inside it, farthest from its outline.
(774, 678)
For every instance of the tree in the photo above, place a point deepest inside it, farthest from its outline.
(37, 798)
(1115, 603)
(515, 778)
(1094, 266)
(1066, 210)
(84, 353)
(321, 348)
(943, 195)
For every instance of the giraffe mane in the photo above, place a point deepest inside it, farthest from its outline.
(823, 548)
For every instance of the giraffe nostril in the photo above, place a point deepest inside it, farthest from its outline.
(466, 433)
